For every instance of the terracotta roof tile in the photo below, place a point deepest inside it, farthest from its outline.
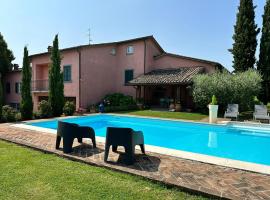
(182, 75)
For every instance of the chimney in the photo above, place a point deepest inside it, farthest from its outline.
(15, 67)
(49, 49)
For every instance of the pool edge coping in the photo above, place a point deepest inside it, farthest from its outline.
(225, 162)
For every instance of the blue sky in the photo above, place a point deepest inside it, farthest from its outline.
(197, 28)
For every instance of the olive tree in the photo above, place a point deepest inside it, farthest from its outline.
(237, 88)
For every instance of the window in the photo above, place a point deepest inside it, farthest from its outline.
(15, 105)
(67, 73)
(113, 51)
(130, 50)
(18, 88)
(8, 87)
(128, 75)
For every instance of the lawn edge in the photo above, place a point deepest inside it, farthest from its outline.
(191, 191)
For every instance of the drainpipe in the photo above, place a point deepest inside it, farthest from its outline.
(144, 57)
(79, 52)
(144, 63)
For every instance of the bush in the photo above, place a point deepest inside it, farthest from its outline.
(18, 116)
(69, 108)
(8, 114)
(44, 109)
(237, 88)
(118, 99)
(256, 101)
(268, 106)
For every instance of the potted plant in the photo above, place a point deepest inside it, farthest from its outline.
(171, 106)
(178, 106)
(140, 103)
(213, 110)
(93, 109)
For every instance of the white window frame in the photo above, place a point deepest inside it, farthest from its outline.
(113, 51)
(130, 50)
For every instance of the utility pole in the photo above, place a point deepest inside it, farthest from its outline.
(89, 36)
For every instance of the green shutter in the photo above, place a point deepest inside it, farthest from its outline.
(67, 73)
(128, 75)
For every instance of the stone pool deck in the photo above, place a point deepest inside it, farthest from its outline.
(194, 176)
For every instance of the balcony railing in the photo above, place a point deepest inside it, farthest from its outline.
(40, 86)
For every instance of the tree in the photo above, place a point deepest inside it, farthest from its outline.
(6, 57)
(229, 88)
(264, 57)
(26, 105)
(245, 37)
(56, 84)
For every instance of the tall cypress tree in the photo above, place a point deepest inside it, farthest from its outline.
(6, 57)
(56, 84)
(26, 105)
(245, 37)
(264, 57)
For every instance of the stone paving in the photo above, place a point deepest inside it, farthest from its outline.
(213, 180)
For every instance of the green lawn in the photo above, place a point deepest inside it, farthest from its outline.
(29, 174)
(162, 114)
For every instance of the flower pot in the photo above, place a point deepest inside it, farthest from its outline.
(93, 110)
(140, 106)
(177, 107)
(171, 107)
(213, 111)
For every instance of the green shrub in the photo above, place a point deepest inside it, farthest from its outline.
(44, 109)
(8, 114)
(268, 106)
(118, 99)
(36, 115)
(214, 100)
(69, 108)
(256, 101)
(18, 116)
(239, 88)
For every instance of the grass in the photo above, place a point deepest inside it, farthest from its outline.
(30, 174)
(170, 115)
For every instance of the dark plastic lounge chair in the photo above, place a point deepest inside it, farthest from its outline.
(126, 137)
(69, 132)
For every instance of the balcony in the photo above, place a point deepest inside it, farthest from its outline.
(40, 86)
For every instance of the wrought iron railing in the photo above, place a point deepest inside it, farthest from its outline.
(40, 85)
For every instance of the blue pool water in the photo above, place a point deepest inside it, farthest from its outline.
(245, 144)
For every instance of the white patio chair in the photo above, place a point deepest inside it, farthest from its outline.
(261, 113)
(232, 111)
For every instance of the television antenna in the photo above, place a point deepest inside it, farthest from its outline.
(89, 36)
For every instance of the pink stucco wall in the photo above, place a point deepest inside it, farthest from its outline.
(134, 61)
(103, 73)
(40, 68)
(151, 51)
(97, 74)
(12, 77)
(168, 61)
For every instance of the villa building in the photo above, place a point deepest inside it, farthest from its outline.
(12, 87)
(138, 67)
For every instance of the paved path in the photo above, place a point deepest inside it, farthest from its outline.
(186, 174)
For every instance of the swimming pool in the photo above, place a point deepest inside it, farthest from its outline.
(249, 144)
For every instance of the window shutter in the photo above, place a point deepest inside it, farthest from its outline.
(17, 87)
(128, 75)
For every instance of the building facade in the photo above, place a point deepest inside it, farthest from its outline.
(12, 87)
(129, 67)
